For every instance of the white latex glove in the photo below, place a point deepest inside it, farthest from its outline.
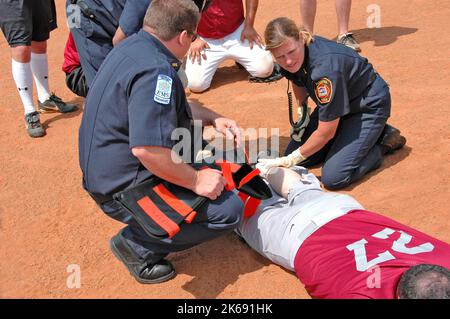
(286, 161)
(262, 169)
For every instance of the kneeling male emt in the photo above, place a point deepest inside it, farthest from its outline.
(133, 106)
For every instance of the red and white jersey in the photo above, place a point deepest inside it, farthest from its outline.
(71, 57)
(221, 18)
(363, 255)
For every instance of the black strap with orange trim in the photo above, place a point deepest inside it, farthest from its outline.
(252, 189)
(161, 207)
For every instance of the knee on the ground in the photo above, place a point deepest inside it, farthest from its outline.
(263, 67)
(333, 180)
(197, 85)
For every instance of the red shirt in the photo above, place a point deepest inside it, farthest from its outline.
(71, 57)
(326, 263)
(222, 18)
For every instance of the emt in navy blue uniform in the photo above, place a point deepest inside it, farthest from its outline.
(347, 130)
(103, 24)
(96, 25)
(135, 103)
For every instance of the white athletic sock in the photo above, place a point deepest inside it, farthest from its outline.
(24, 81)
(39, 66)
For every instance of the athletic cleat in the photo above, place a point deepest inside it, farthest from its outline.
(391, 140)
(55, 104)
(347, 39)
(143, 271)
(275, 76)
(33, 124)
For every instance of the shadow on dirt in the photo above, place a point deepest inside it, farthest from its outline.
(218, 264)
(59, 116)
(382, 36)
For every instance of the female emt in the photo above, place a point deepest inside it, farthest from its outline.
(347, 130)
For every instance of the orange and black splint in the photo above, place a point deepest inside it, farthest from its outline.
(252, 189)
(161, 207)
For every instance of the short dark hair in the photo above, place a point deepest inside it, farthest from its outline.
(167, 18)
(425, 281)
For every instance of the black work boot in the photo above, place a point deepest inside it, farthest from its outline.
(143, 271)
(391, 140)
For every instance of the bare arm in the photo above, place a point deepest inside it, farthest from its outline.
(249, 31)
(325, 131)
(319, 138)
(118, 36)
(203, 114)
(222, 124)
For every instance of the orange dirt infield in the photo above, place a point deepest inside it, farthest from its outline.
(48, 222)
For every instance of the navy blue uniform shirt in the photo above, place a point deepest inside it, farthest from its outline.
(128, 14)
(339, 81)
(136, 99)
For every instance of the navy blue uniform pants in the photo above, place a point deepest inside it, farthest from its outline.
(352, 153)
(217, 218)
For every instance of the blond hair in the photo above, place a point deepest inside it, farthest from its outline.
(280, 29)
(167, 18)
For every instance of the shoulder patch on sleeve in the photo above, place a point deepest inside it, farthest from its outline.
(323, 90)
(163, 90)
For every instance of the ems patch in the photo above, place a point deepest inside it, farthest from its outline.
(324, 90)
(163, 89)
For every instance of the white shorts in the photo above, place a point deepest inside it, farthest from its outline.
(257, 61)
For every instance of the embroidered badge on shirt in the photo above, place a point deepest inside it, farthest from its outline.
(324, 90)
(163, 89)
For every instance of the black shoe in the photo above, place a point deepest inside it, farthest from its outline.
(391, 140)
(55, 104)
(34, 127)
(144, 272)
(347, 39)
(275, 76)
